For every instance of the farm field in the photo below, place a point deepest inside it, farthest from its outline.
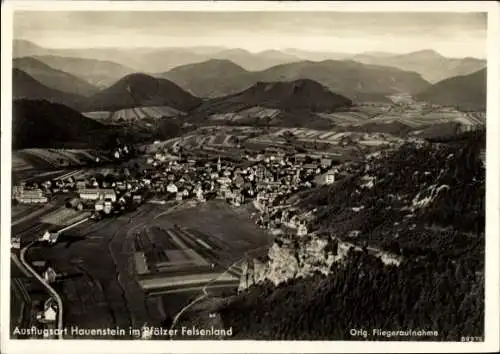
(98, 115)
(224, 224)
(332, 137)
(37, 158)
(93, 294)
(209, 136)
(250, 113)
(198, 141)
(64, 217)
(103, 284)
(347, 118)
(30, 222)
(136, 113)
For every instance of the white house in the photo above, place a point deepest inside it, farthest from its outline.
(49, 313)
(172, 188)
(302, 230)
(50, 275)
(92, 194)
(15, 242)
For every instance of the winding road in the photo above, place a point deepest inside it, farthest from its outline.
(50, 289)
(47, 286)
(204, 290)
(203, 295)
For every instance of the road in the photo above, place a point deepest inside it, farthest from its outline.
(204, 290)
(51, 290)
(47, 286)
(203, 295)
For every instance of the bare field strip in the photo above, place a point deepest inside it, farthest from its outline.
(215, 243)
(22, 210)
(231, 225)
(175, 265)
(97, 115)
(26, 220)
(61, 216)
(183, 280)
(175, 256)
(195, 289)
(209, 255)
(19, 164)
(179, 271)
(192, 254)
(160, 236)
(140, 263)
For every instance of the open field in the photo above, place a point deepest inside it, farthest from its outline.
(330, 137)
(198, 141)
(98, 115)
(141, 267)
(64, 217)
(207, 137)
(30, 222)
(37, 158)
(250, 113)
(223, 225)
(175, 259)
(132, 114)
(99, 290)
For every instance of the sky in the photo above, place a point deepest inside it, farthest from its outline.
(451, 34)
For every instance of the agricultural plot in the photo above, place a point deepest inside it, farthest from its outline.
(256, 112)
(139, 113)
(478, 118)
(172, 260)
(331, 137)
(161, 111)
(20, 211)
(346, 118)
(98, 115)
(230, 226)
(64, 216)
(37, 158)
(417, 117)
(197, 141)
(19, 163)
(187, 280)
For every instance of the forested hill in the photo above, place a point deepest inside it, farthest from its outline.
(424, 202)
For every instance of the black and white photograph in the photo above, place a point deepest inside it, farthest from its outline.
(263, 173)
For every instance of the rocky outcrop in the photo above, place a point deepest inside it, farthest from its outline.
(289, 260)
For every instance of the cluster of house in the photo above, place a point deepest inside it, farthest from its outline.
(25, 195)
(265, 177)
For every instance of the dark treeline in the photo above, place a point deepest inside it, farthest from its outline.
(438, 286)
(363, 293)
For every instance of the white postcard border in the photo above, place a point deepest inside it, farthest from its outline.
(118, 346)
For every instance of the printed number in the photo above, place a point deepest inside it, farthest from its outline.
(472, 339)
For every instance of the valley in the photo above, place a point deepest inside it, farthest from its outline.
(261, 192)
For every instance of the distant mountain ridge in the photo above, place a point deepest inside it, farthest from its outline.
(141, 90)
(304, 94)
(25, 86)
(54, 78)
(154, 60)
(99, 73)
(355, 80)
(430, 64)
(212, 78)
(466, 92)
(293, 103)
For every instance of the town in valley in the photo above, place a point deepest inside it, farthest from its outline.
(208, 192)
